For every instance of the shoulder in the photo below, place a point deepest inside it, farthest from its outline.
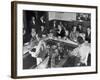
(75, 51)
(86, 44)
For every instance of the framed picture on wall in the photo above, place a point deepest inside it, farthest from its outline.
(53, 39)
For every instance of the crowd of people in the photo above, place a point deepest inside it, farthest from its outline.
(59, 31)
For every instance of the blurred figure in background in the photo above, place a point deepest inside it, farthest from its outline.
(34, 38)
(32, 23)
(25, 40)
(42, 32)
(79, 29)
(88, 35)
(54, 24)
(74, 34)
(60, 51)
(42, 21)
(66, 35)
(60, 32)
(54, 28)
(51, 35)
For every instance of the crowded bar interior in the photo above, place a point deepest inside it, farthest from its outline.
(56, 39)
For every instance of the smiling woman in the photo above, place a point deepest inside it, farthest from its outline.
(46, 39)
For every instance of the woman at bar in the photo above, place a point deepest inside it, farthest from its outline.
(74, 34)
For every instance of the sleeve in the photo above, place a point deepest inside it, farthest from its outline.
(75, 52)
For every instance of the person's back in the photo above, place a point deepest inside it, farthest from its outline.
(84, 51)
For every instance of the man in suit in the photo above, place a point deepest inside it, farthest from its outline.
(42, 31)
(32, 23)
(42, 21)
(88, 35)
(79, 29)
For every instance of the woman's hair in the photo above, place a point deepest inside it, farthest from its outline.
(80, 40)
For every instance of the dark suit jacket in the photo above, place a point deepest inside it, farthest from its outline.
(26, 38)
(32, 25)
(62, 33)
(88, 37)
(40, 33)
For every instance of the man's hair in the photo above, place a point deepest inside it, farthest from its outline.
(80, 40)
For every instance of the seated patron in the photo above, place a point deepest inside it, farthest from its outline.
(25, 37)
(42, 21)
(32, 23)
(60, 32)
(42, 32)
(34, 39)
(82, 35)
(74, 34)
(60, 51)
(54, 29)
(51, 35)
(88, 35)
(30, 38)
(53, 54)
(40, 47)
(79, 29)
(66, 35)
(82, 52)
(54, 24)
